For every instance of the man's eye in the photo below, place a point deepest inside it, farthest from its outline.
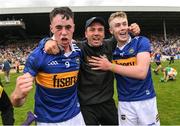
(101, 29)
(68, 27)
(59, 27)
(124, 24)
(91, 29)
(117, 25)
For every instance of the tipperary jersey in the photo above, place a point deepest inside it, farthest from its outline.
(130, 89)
(157, 57)
(56, 84)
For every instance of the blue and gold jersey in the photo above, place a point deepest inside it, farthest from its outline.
(130, 89)
(56, 84)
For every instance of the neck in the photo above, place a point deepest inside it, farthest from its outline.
(122, 43)
(67, 49)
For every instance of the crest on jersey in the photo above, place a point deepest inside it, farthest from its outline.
(131, 51)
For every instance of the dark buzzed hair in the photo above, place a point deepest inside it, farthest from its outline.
(66, 11)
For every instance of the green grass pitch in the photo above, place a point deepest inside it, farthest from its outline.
(168, 97)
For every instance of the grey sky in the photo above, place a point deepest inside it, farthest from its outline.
(18, 6)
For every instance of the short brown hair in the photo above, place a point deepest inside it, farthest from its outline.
(66, 11)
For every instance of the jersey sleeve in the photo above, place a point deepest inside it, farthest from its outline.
(34, 61)
(144, 45)
(43, 42)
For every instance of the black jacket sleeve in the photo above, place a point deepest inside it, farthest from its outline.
(6, 108)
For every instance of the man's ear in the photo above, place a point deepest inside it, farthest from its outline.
(74, 27)
(110, 30)
(85, 34)
(51, 29)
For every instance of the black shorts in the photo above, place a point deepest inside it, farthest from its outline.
(104, 113)
(158, 63)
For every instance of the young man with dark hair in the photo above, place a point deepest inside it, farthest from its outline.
(56, 98)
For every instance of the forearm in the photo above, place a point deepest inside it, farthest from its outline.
(16, 100)
(129, 71)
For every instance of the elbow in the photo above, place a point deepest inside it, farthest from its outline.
(142, 75)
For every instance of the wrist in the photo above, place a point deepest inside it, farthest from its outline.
(16, 99)
(112, 68)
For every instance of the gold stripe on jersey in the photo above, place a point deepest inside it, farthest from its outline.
(126, 62)
(1, 90)
(59, 80)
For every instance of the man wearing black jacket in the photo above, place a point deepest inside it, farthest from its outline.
(95, 87)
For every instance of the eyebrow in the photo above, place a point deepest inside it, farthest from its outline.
(62, 26)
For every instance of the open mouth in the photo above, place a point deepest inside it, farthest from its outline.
(96, 39)
(64, 39)
(123, 34)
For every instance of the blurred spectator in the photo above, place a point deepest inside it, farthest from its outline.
(6, 69)
(171, 60)
(157, 59)
(17, 64)
(169, 47)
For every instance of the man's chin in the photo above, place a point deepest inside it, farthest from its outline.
(123, 39)
(96, 45)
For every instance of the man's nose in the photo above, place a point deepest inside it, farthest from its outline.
(64, 31)
(96, 32)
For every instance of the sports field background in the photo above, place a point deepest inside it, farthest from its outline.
(168, 97)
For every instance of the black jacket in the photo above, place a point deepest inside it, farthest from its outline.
(95, 86)
(6, 108)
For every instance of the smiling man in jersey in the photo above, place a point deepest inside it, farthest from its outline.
(56, 100)
(131, 65)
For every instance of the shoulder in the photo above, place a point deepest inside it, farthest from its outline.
(81, 44)
(141, 43)
(75, 46)
(111, 39)
(141, 40)
(37, 53)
